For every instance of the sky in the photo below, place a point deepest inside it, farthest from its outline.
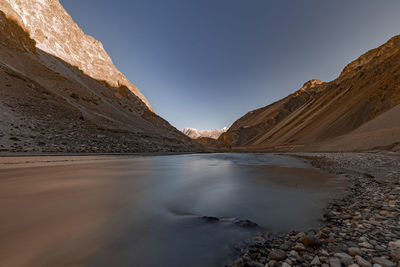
(206, 63)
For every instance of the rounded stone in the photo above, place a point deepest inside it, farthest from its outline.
(353, 251)
(277, 254)
(363, 262)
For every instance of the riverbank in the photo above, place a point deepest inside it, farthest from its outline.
(15, 160)
(361, 228)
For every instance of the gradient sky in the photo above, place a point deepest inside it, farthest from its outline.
(205, 63)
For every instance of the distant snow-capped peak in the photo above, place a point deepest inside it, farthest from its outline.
(213, 133)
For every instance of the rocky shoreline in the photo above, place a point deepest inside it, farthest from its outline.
(362, 228)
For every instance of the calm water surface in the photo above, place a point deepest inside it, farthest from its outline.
(148, 211)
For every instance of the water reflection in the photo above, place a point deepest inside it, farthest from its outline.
(149, 211)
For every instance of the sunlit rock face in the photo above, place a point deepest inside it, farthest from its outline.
(311, 84)
(56, 33)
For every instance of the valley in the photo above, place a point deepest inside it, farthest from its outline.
(91, 175)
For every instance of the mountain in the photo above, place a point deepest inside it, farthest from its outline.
(194, 133)
(356, 111)
(60, 91)
(55, 32)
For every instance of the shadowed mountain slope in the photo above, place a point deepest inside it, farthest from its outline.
(318, 112)
(50, 105)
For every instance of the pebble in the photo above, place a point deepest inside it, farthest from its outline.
(331, 240)
(344, 258)
(363, 262)
(394, 244)
(299, 247)
(353, 251)
(310, 240)
(395, 254)
(384, 262)
(366, 245)
(294, 253)
(277, 254)
(334, 262)
(315, 261)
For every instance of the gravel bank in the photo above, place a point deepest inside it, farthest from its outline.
(360, 229)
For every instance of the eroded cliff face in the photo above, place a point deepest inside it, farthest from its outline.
(56, 33)
(319, 112)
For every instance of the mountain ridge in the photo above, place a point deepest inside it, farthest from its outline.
(49, 105)
(366, 88)
(57, 34)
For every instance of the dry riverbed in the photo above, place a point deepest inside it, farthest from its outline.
(362, 228)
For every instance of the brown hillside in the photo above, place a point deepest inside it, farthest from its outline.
(318, 112)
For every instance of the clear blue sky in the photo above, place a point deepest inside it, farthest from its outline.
(205, 63)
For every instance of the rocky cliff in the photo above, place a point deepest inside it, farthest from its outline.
(60, 92)
(56, 33)
(319, 112)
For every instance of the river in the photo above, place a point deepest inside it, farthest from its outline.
(177, 210)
